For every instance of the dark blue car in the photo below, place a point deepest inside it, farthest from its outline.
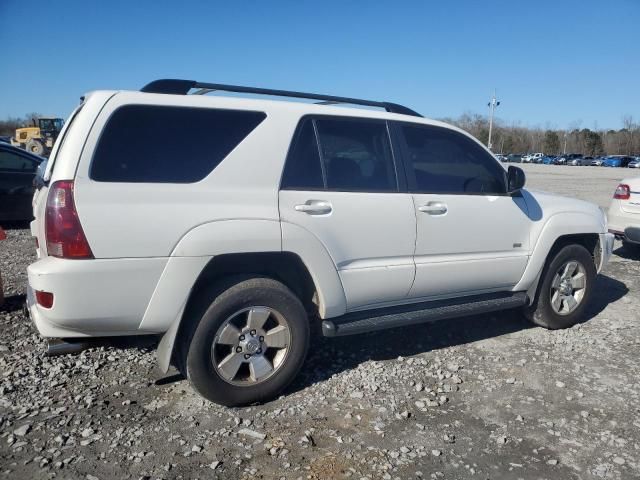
(17, 172)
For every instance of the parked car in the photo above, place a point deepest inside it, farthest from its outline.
(17, 171)
(567, 159)
(501, 157)
(624, 213)
(532, 157)
(234, 251)
(635, 163)
(597, 162)
(514, 158)
(580, 161)
(549, 159)
(617, 161)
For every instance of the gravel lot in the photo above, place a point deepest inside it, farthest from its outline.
(479, 397)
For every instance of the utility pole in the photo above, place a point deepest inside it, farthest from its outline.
(564, 151)
(492, 106)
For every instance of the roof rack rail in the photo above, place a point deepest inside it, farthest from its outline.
(182, 87)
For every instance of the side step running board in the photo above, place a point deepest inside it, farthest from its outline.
(380, 319)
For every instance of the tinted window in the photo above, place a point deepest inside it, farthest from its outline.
(17, 163)
(143, 143)
(356, 155)
(303, 170)
(445, 161)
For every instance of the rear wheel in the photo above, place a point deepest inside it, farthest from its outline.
(565, 290)
(249, 344)
(35, 146)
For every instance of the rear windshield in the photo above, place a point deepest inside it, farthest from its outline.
(165, 144)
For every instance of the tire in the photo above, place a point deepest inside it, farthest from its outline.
(233, 304)
(35, 146)
(542, 312)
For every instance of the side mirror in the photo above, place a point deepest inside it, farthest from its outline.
(515, 179)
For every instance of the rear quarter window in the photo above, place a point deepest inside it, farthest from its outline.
(166, 144)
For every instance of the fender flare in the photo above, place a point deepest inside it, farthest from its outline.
(559, 225)
(200, 245)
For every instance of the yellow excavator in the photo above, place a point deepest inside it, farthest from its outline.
(40, 137)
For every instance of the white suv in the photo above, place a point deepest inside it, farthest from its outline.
(233, 226)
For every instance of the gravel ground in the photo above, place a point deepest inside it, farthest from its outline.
(479, 397)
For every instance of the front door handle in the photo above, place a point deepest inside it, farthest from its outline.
(434, 208)
(314, 207)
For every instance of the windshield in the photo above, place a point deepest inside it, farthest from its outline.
(49, 124)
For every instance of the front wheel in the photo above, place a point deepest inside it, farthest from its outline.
(249, 344)
(566, 287)
(35, 146)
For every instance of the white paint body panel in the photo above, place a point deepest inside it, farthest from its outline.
(369, 236)
(480, 243)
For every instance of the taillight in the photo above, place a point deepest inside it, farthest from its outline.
(65, 238)
(623, 192)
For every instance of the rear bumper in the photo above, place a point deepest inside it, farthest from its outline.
(92, 298)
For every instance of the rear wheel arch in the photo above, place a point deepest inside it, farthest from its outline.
(285, 267)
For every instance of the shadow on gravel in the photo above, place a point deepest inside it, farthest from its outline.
(607, 290)
(13, 303)
(328, 357)
(139, 342)
(16, 225)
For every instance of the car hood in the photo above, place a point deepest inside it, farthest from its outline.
(543, 205)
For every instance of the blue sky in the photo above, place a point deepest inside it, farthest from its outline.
(562, 63)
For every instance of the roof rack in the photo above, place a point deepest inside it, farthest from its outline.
(182, 87)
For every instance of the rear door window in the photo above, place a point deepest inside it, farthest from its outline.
(166, 144)
(340, 154)
(303, 170)
(356, 155)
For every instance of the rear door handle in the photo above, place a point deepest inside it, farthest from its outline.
(314, 207)
(434, 208)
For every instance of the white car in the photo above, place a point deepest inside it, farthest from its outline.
(624, 212)
(232, 226)
(532, 157)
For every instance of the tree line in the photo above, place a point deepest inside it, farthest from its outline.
(8, 126)
(518, 139)
(505, 138)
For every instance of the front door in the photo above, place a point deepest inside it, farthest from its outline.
(340, 185)
(472, 237)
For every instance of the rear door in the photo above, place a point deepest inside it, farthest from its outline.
(471, 236)
(341, 185)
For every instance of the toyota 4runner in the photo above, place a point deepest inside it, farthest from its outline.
(236, 226)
